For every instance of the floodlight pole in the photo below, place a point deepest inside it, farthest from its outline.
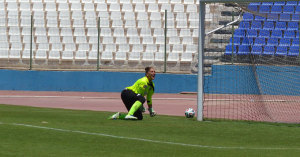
(165, 46)
(98, 53)
(31, 27)
(201, 37)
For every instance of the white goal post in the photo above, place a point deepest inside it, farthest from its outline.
(201, 39)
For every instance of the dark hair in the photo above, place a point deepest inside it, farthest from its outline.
(147, 69)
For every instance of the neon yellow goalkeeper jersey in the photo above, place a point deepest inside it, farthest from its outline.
(144, 87)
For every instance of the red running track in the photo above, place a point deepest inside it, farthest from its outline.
(238, 107)
(163, 104)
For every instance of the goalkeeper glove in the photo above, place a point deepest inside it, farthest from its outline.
(143, 109)
(152, 112)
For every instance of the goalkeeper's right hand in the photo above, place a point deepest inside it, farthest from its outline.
(152, 112)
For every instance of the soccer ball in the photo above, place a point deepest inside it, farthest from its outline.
(189, 113)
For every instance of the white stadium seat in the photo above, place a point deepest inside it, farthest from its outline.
(15, 54)
(127, 7)
(178, 48)
(43, 46)
(124, 48)
(67, 55)
(41, 54)
(121, 40)
(67, 39)
(54, 54)
(83, 47)
(70, 47)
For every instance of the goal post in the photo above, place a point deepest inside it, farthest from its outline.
(201, 39)
(248, 60)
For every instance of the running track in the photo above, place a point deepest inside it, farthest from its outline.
(243, 107)
(163, 104)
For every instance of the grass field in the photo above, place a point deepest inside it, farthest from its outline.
(36, 132)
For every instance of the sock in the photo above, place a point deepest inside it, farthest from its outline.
(134, 107)
(122, 116)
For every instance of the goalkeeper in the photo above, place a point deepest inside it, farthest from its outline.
(133, 97)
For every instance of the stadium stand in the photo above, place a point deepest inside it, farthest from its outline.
(131, 31)
(274, 35)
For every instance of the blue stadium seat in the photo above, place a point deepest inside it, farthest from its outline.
(276, 9)
(295, 17)
(267, 3)
(228, 49)
(253, 7)
(288, 9)
(295, 42)
(251, 33)
(268, 25)
(289, 34)
(260, 18)
(264, 33)
(285, 17)
(236, 40)
(280, 25)
(256, 25)
(281, 51)
(257, 50)
(276, 34)
(281, 3)
(294, 51)
(248, 17)
(247, 41)
(255, 3)
(239, 33)
(272, 17)
(284, 42)
(294, 3)
(297, 10)
(260, 41)
(269, 50)
(243, 50)
(244, 25)
(272, 42)
(293, 26)
(264, 9)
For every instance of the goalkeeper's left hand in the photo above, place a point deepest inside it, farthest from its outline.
(152, 112)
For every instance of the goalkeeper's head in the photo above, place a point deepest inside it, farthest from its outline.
(150, 73)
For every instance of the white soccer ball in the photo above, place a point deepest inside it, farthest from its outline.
(189, 113)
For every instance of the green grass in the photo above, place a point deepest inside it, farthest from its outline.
(234, 138)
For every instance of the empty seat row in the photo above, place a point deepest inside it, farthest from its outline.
(102, 47)
(275, 3)
(91, 15)
(267, 33)
(116, 32)
(271, 17)
(275, 8)
(52, 6)
(106, 55)
(269, 25)
(93, 23)
(104, 40)
(265, 41)
(262, 50)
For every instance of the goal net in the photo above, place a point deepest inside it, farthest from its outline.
(251, 60)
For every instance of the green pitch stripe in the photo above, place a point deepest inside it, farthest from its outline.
(148, 140)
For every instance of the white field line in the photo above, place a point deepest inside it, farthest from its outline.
(152, 141)
(84, 97)
(190, 99)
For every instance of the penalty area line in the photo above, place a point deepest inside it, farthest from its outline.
(152, 141)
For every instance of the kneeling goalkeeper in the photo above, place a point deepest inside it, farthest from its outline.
(133, 97)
